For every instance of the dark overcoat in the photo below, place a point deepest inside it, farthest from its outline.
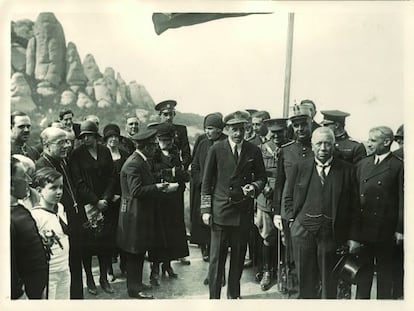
(381, 197)
(200, 233)
(223, 180)
(171, 231)
(136, 230)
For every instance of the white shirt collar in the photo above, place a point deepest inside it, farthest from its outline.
(326, 166)
(232, 144)
(142, 155)
(381, 157)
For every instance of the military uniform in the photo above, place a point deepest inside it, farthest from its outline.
(348, 149)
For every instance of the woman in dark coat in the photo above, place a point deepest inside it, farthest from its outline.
(93, 174)
(111, 137)
(200, 233)
(172, 237)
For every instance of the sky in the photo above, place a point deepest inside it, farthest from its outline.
(345, 58)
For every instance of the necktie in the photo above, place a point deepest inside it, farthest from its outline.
(377, 160)
(323, 174)
(236, 154)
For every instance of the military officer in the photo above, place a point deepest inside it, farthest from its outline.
(345, 147)
(310, 105)
(167, 113)
(264, 214)
(290, 154)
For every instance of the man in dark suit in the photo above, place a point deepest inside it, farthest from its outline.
(66, 118)
(136, 226)
(234, 174)
(20, 134)
(54, 155)
(381, 183)
(321, 198)
(345, 147)
(131, 128)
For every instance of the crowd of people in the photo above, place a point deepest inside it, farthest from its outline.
(312, 210)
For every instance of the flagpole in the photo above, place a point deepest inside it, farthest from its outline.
(288, 66)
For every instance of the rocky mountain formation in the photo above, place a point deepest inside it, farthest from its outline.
(47, 73)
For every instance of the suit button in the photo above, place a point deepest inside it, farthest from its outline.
(379, 182)
(231, 188)
(303, 155)
(375, 214)
(362, 195)
(378, 198)
(365, 180)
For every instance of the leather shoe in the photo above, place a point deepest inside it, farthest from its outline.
(141, 295)
(106, 287)
(144, 287)
(92, 288)
(184, 261)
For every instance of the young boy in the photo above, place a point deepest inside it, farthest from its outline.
(28, 258)
(51, 221)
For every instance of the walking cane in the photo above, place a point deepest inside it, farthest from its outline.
(279, 266)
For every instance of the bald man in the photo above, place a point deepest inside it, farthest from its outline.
(55, 149)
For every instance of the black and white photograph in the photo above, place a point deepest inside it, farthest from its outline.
(206, 150)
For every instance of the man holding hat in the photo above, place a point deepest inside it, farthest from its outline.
(166, 110)
(136, 226)
(234, 175)
(345, 147)
(264, 217)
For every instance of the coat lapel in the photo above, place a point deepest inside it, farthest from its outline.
(304, 179)
(373, 170)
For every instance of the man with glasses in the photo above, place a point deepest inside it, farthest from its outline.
(55, 148)
(20, 134)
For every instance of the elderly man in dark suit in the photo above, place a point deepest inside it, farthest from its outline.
(136, 226)
(54, 155)
(234, 174)
(321, 198)
(381, 183)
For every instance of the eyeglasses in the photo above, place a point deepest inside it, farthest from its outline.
(61, 143)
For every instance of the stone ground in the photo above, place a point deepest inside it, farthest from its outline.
(189, 284)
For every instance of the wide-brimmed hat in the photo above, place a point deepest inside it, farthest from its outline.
(88, 127)
(111, 129)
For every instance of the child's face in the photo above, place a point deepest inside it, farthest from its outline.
(52, 192)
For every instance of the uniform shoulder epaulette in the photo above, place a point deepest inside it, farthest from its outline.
(353, 140)
(287, 144)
